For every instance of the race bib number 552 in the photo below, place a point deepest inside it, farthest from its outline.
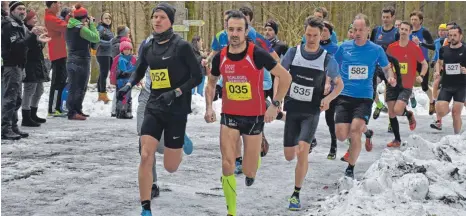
(301, 93)
(453, 69)
(358, 72)
(238, 91)
(160, 79)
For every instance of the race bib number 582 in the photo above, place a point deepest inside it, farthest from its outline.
(453, 69)
(238, 91)
(160, 79)
(358, 72)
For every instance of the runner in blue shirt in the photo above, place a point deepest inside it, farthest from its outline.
(358, 59)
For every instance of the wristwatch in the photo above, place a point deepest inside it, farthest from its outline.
(276, 103)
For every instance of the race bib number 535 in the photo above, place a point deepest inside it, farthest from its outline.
(301, 93)
(160, 79)
(453, 69)
(358, 72)
(238, 91)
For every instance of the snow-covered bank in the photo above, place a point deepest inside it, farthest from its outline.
(422, 178)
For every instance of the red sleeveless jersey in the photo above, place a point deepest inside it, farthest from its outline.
(243, 92)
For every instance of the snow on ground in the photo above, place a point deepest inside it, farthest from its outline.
(90, 168)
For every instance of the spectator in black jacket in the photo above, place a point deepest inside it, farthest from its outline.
(271, 31)
(196, 44)
(36, 75)
(15, 40)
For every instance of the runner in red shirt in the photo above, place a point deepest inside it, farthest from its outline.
(241, 65)
(408, 54)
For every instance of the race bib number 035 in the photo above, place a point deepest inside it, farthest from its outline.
(238, 91)
(160, 79)
(358, 72)
(453, 69)
(404, 68)
(301, 93)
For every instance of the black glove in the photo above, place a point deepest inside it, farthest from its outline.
(167, 97)
(123, 91)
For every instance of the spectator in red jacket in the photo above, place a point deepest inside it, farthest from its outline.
(56, 28)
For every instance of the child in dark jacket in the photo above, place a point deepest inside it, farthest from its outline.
(125, 67)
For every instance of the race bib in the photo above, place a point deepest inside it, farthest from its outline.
(404, 68)
(238, 91)
(453, 69)
(301, 93)
(358, 72)
(160, 79)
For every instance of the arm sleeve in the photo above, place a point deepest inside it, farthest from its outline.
(288, 58)
(194, 68)
(216, 65)
(437, 48)
(91, 34)
(101, 34)
(141, 67)
(440, 53)
(333, 70)
(57, 24)
(429, 42)
(262, 59)
(141, 47)
(373, 33)
(382, 60)
(396, 66)
(16, 42)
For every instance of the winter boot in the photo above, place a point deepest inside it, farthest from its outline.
(20, 133)
(34, 116)
(27, 120)
(8, 134)
(103, 97)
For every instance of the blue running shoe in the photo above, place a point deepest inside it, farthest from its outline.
(146, 213)
(239, 168)
(295, 204)
(413, 101)
(188, 145)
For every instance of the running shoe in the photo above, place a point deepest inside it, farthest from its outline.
(239, 168)
(368, 143)
(313, 145)
(57, 113)
(349, 173)
(146, 213)
(390, 129)
(295, 204)
(264, 146)
(249, 181)
(345, 157)
(412, 121)
(394, 143)
(155, 191)
(432, 108)
(332, 155)
(436, 125)
(187, 145)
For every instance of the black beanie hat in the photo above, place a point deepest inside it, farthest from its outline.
(272, 25)
(14, 4)
(168, 9)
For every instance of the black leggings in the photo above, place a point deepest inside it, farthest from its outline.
(105, 62)
(330, 119)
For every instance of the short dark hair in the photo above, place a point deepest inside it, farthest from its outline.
(322, 10)
(389, 9)
(329, 26)
(457, 27)
(408, 24)
(237, 15)
(418, 14)
(315, 22)
(452, 24)
(361, 16)
(247, 12)
(227, 12)
(50, 3)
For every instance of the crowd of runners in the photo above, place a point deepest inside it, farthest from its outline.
(259, 80)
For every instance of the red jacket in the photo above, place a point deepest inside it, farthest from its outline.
(56, 30)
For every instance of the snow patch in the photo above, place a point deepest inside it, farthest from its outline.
(422, 178)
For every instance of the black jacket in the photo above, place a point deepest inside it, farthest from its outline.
(15, 41)
(36, 71)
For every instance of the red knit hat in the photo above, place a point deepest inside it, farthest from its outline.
(30, 14)
(80, 12)
(125, 45)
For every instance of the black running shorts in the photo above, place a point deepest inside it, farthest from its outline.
(300, 127)
(394, 94)
(173, 127)
(457, 93)
(247, 125)
(349, 108)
